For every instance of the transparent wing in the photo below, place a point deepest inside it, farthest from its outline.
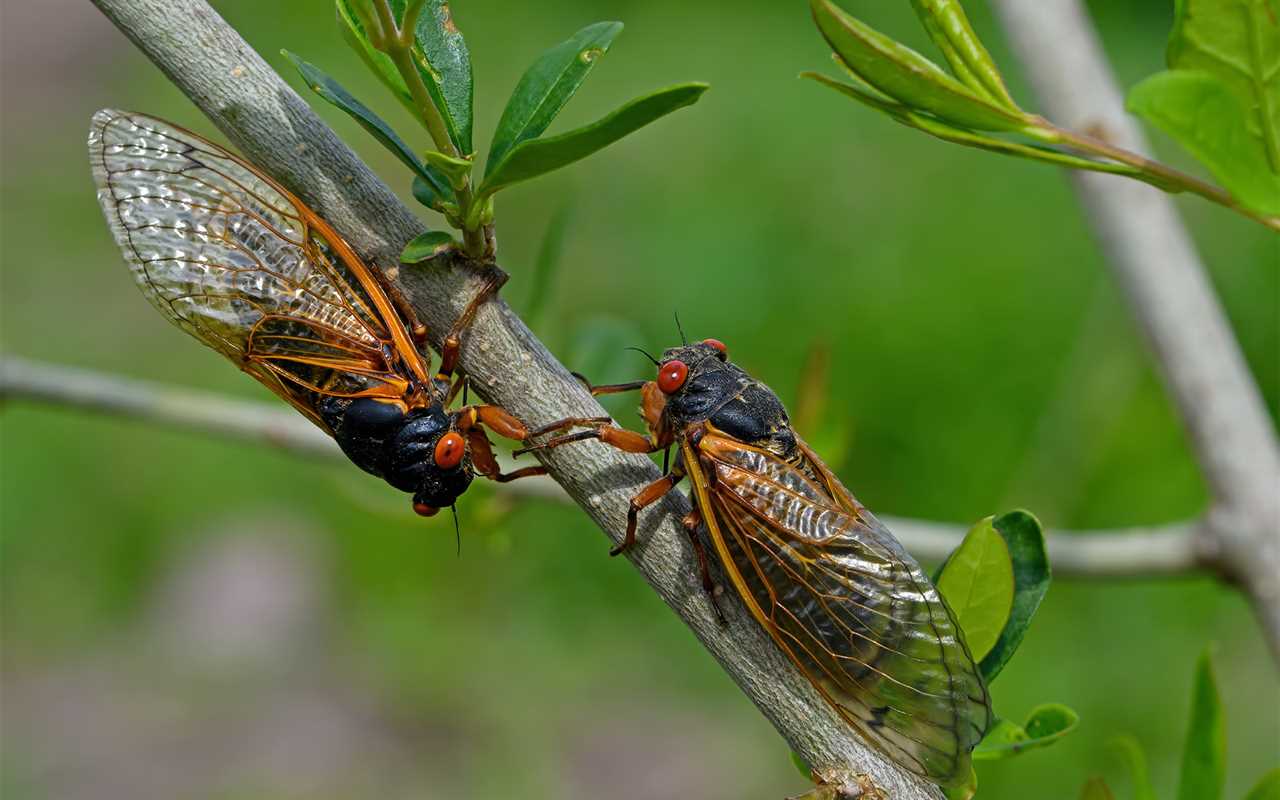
(239, 263)
(849, 605)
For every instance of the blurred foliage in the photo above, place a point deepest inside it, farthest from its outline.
(979, 351)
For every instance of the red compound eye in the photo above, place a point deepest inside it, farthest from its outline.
(425, 510)
(449, 450)
(671, 376)
(717, 344)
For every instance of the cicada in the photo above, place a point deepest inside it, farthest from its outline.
(828, 582)
(232, 258)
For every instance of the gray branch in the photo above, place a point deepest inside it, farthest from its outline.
(1156, 264)
(1128, 552)
(276, 129)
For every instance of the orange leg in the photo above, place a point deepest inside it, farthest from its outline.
(597, 428)
(647, 496)
(487, 464)
(495, 419)
(610, 388)
(493, 281)
(691, 522)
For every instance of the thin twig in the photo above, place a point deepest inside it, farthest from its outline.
(506, 364)
(1130, 552)
(1155, 262)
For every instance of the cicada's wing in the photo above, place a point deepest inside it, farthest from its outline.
(242, 265)
(850, 607)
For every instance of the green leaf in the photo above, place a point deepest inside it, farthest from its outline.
(332, 91)
(1045, 725)
(539, 156)
(1267, 787)
(1096, 789)
(1204, 755)
(426, 246)
(965, 790)
(947, 25)
(441, 57)
(908, 77)
(800, 766)
(1024, 538)
(547, 86)
(1133, 755)
(977, 582)
(355, 34)
(546, 265)
(1238, 41)
(1201, 114)
(436, 194)
(455, 169)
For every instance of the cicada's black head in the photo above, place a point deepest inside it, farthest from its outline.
(430, 457)
(702, 384)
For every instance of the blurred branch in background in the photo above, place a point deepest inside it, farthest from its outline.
(1156, 264)
(1128, 552)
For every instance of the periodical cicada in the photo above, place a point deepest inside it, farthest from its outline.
(232, 258)
(828, 582)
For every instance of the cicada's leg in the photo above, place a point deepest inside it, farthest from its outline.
(493, 280)
(410, 317)
(691, 522)
(597, 428)
(647, 497)
(486, 463)
(608, 388)
(494, 418)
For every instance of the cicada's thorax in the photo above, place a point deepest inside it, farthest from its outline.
(382, 439)
(723, 395)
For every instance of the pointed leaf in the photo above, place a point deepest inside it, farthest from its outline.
(950, 30)
(1133, 755)
(547, 264)
(455, 170)
(977, 582)
(1202, 115)
(1096, 789)
(356, 35)
(1204, 755)
(436, 194)
(547, 85)
(426, 246)
(907, 76)
(539, 156)
(1267, 787)
(442, 59)
(965, 790)
(1238, 41)
(332, 91)
(1045, 725)
(1024, 538)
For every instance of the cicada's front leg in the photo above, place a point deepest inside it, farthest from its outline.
(470, 420)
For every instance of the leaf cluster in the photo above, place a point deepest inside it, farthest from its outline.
(416, 50)
(1220, 99)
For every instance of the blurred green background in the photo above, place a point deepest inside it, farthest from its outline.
(188, 617)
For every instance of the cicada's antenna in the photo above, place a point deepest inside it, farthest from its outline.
(645, 354)
(680, 328)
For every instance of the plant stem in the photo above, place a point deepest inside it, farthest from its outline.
(1164, 175)
(397, 43)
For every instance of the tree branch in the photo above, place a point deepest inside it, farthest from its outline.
(1155, 262)
(1128, 552)
(276, 129)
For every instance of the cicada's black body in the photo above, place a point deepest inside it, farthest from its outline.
(400, 448)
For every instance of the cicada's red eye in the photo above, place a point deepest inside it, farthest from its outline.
(425, 510)
(719, 345)
(449, 450)
(671, 376)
